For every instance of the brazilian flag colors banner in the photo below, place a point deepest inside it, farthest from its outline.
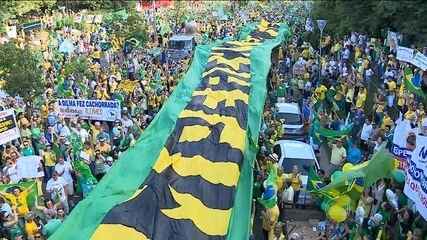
(190, 174)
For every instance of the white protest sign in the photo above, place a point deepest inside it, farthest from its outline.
(89, 109)
(420, 60)
(8, 129)
(29, 167)
(416, 179)
(11, 33)
(405, 54)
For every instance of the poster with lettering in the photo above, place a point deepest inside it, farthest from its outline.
(416, 176)
(8, 128)
(100, 110)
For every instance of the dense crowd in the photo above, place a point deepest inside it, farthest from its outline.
(75, 152)
(358, 81)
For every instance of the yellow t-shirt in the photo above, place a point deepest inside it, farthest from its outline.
(31, 228)
(270, 219)
(361, 98)
(296, 182)
(386, 122)
(49, 159)
(391, 85)
(18, 202)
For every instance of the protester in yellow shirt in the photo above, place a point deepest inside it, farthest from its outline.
(49, 159)
(18, 200)
(31, 228)
(361, 97)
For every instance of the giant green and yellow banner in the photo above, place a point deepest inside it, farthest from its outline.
(190, 174)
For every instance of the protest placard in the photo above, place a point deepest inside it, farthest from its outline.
(8, 129)
(29, 167)
(89, 109)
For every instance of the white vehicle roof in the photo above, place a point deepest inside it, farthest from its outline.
(296, 149)
(288, 108)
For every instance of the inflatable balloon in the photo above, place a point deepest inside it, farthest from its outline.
(337, 213)
(336, 175)
(398, 175)
(343, 201)
(326, 204)
(347, 167)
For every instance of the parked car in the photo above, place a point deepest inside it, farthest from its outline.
(290, 116)
(290, 153)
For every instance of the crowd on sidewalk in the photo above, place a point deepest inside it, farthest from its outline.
(358, 83)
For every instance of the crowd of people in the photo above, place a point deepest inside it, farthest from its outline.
(76, 152)
(358, 83)
(357, 79)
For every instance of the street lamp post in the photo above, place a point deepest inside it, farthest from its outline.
(321, 24)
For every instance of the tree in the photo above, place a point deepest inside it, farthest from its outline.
(21, 71)
(375, 18)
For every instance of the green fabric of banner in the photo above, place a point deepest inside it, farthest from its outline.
(135, 165)
(380, 166)
(132, 169)
(260, 66)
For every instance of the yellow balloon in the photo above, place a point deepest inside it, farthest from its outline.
(343, 201)
(347, 167)
(337, 213)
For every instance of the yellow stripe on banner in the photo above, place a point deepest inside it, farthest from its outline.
(272, 32)
(244, 51)
(238, 81)
(212, 172)
(234, 63)
(215, 97)
(231, 134)
(207, 220)
(226, 70)
(117, 231)
(242, 44)
(194, 133)
(163, 161)
(216, 80)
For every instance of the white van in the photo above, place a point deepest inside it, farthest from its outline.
(290, 153)
(290, 116)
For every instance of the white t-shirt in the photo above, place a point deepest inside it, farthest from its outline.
(366, 132)
(57, 188)
(12, 172)
(66, 168)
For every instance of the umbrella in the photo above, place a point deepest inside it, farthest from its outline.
(66, 47)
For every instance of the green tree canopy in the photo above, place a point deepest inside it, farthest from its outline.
(375, 18)
(21, 71)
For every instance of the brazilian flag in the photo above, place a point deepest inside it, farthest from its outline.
(189, 176)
